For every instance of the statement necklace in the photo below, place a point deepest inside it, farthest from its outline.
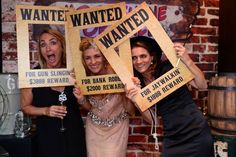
(99, 103)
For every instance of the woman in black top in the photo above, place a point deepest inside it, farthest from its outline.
(186, 132)
(44, 103)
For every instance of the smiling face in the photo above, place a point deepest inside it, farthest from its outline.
(95, 61)
(141, 59)
(51, 50)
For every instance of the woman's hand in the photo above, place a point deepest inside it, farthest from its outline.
(56, 111)
(182, 53)
(132, 91)
(199, 80)
(78, 94)
(136, 81)
(81, 99)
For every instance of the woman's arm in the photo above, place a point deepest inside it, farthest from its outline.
(199, 80)
(28, 108)
(81, 99)
(146, 115)
(26, 104)
(131, 93)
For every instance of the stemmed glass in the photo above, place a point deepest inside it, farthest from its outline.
(62, 98)
(22, 125)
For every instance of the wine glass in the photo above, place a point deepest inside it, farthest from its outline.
(22, 125)
(62, 98)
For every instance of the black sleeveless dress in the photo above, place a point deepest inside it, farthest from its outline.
(49, 140)
(186, 132)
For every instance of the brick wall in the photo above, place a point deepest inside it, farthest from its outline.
(203, 47)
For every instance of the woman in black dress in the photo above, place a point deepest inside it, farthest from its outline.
(44, 103)
(186, 132)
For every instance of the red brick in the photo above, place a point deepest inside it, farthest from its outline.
(160, 129)
(142, 130)
(9, 36)
(202, 12)
(211, 3)
(199, 48)
(195, 39)
(213, 12)
(130, 154)
(206, 66)
(147, 154)
(12, 46)
(137, 138)
(209, 58)
(134, 146)
(10, 56)
(142, 147)
(200, 2)
(201, 21)
(210, 39)
(149, 147)
(206, 31)
(214, 22)
(194, 57)
(212, 48)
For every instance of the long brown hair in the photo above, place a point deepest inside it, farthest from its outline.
(150, 45)
(152, 48)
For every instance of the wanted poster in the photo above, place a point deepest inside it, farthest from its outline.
(121, 31)
(43, 17)
(98, 16)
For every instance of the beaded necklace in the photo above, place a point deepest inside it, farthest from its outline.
(99, 103)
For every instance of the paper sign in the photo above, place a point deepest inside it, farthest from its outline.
(115, 35)
(98, 16)
(27, 16)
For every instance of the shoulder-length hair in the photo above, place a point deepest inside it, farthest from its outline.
(61, 39)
